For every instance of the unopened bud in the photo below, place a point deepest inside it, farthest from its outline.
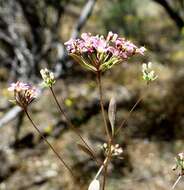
(48, 77)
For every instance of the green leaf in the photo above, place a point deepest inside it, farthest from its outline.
(112, 113)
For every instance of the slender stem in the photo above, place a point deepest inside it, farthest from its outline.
(176, 182)
(106, 165)
(132, 109)
(104, 176)
(48, 143)
(71, 125)
(129, 114)
(110, 138)
(99, 83)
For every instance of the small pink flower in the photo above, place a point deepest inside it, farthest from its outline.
(18, 86)
(112, 36)
(141, 50)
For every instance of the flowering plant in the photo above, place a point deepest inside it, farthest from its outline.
(97, 54)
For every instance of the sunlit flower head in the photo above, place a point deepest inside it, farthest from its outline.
(99, 53)
(180, 160)
(48, 77)
(179, 163)
(24, 93)
(181, 156)
(116, 150)
(148, 73)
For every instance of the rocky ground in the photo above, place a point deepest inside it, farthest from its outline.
(151, 137)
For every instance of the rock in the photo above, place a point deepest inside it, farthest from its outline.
(8, 164)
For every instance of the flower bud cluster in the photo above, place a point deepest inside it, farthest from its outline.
(48, 77)
(148, 73)
(24, 93)
(116, 150)
(180, 163)
(99, 53)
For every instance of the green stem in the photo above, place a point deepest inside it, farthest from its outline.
(48, 143)
(99, 83)
(71, 125)
(110, 138)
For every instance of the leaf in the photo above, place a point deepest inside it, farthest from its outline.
(94, 185)
(112, 113)
(86, 150)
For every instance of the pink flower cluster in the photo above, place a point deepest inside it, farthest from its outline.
(24, 93)
(98, 50)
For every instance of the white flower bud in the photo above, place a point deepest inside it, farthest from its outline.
(149, 65)
(48, 77)
(148, 73)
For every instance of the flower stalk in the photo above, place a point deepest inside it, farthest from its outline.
(99, 83)
(49, 81)
(129, 114)
(49, 144)
(71, 125)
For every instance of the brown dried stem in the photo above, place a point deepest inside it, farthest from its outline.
(48, 143)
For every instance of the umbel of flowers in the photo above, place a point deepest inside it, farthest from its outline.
(99, 53)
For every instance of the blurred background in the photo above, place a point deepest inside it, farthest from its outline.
(32, 34)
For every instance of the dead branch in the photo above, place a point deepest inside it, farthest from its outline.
(85, 14)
